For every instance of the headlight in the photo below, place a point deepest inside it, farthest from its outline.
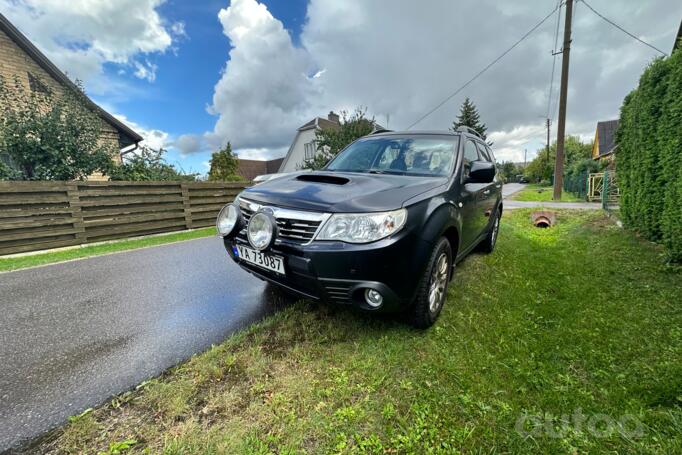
(362, 227)
(227, 219)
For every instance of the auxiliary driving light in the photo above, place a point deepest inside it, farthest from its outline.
(262, 230)
(373, 298)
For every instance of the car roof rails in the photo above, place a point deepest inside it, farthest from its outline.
(379, 129)
(468, 129)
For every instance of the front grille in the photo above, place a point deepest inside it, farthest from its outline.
(293, 225)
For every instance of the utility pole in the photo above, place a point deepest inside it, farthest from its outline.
(563, 95)
(525, 155)
(547, 147)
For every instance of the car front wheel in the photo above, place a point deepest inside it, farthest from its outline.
(433, 286)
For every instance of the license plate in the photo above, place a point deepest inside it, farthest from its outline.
(266, 261)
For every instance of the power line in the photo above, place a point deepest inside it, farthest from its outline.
(484, 69)
(554, 54)
(622, 29)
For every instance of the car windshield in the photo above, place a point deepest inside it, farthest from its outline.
(412, 155)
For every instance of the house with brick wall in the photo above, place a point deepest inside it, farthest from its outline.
(19, 58)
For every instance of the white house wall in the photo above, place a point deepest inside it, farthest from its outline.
(296, 156)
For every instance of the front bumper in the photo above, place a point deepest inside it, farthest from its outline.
(339, 273)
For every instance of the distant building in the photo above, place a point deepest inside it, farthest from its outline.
(304, 146)
(250, 169)
(604, 139)
(19, 58)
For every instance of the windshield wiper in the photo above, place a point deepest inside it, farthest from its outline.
(386, 171)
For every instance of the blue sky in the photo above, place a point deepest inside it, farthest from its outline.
(191, 75)
(176, 101)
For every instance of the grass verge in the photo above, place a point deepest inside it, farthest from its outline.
(537, 193)
(21, 262)
(548, 345)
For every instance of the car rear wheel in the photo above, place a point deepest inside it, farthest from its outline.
(488, 244)
(433, 286)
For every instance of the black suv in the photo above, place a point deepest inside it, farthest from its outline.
(380, 227)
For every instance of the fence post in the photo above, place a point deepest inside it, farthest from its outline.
(186, 206)
(75, 205)
(605, 191)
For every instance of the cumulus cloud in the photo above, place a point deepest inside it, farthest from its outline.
(264, 91)
(153, 138)
(188, 144)
(82, 35)
(401, 57)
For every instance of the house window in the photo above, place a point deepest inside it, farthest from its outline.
(36, 85)
(310, 149)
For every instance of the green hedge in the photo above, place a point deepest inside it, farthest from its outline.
(649, 156)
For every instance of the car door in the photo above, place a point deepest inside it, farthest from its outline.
(488, 195)
(468, 198)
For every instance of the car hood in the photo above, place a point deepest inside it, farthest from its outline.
(341, 191)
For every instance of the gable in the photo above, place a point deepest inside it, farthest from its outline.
(19, 58)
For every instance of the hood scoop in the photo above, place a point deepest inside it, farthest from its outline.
(323, 178)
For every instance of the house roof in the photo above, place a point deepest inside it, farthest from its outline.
(318, 122)
(606, 133)
(250, 169)
(127, 135)
(678, 38)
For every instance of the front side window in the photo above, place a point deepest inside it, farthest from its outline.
(412, 155)
(470, 154)
(483, 152)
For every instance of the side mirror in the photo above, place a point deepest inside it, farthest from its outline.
(481, 172)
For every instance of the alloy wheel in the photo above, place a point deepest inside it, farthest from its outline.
(439, 281)
(496, 227)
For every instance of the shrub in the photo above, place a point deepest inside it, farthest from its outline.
(649, 157)
(46, 136)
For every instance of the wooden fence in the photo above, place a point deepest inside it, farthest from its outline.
(41, 215)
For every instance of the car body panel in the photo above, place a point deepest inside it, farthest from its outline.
(393, 265)
(361, 192)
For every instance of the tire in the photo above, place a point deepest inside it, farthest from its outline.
(488, 244)
(433, 286)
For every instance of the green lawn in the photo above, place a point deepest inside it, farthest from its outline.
(537, 193)
(21, 262)
(582, 320)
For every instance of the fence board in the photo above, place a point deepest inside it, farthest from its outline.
(41, 215)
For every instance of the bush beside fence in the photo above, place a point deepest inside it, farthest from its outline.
(42, 215)
(649, 155)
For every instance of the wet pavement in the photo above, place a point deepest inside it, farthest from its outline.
(75, 333)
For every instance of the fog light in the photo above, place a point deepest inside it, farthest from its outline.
(373, 298)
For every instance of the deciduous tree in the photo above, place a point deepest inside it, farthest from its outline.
(330, 141)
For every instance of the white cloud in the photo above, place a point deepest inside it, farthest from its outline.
(262, 153)
(81, 35)
(153, 138)
(188, 144)
(263, 93)
(145, 70)
(402, 57)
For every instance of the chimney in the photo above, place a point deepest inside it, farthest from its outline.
(333, 117)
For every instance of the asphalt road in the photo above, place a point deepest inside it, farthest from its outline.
(75, 333)
(510, 188)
